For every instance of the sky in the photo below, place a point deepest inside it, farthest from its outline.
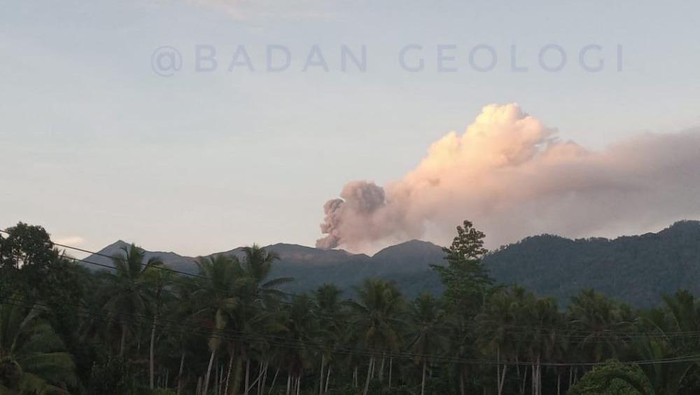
(163, 123)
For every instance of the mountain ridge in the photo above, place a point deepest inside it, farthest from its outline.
(632, 268)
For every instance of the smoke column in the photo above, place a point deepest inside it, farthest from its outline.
(512, 177)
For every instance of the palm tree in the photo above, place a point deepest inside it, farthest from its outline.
(543, 320)
(496, 323)
(427, 319)
(237, 292)
(32, 357)
(301, 332)
(159, 281)
(665, 329)
(600, 324)
(129, 292)
(378, 321)
(260, 301)
(256, 265)
(330, 314)
(181, 319)
(217, 295)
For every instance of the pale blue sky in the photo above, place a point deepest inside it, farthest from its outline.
(96, 145)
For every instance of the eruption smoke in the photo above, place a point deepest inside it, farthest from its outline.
(512, 177)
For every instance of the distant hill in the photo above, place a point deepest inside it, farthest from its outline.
(635, 269)
(406, 263)
(171, 259)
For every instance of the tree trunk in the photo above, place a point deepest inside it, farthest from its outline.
(381, 369)
(222, 380)
(274, 380)
(522, 387)
(258, 379)
(179, 375)
(151, 351)
(122, 343)
(217, 379)
(237, 376)
(370, 368)
(320, 377)
(422, 382)
(247, 376)
(461, 381)
(503, 380)
(498, 369)
(558, 383)
(261, 383)
(230, 368)
(289, 382)
(539, 376)
(328, 379)
(517, 367)
(391, 366)
(208, 375)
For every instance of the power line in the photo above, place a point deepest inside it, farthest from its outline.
(523, 328)
(300, 344)
(520, 329)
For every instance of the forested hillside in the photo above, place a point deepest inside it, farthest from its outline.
(634, 269)
(133, 326)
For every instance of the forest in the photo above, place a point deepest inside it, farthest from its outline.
(139, 327)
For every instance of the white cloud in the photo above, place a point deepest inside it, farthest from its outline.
(73, 241)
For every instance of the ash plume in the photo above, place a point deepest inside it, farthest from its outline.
(512, 176)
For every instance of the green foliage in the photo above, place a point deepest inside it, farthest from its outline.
(377, 315)
(26, 257)
(26, 245)
(613, 378)
(32, 356)
(231, 327)
(633, 269)
(112, 377)
(468, 245)
(465, 278)
(128, 291)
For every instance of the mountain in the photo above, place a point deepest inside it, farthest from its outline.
(171, 259)
(635, 269)
(407, 264)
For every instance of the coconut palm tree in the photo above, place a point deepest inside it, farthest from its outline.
(496, 331)
(662, 326)
(542, 335)
(32, 357)
(301, 332)
(428, 331)
(331, 315)
(128, 291)
(180, 322)
(378, 320)
(257, 315)
(239, 295)
(256, 264)
(216, 297)
(160, 282)
(600, 323)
